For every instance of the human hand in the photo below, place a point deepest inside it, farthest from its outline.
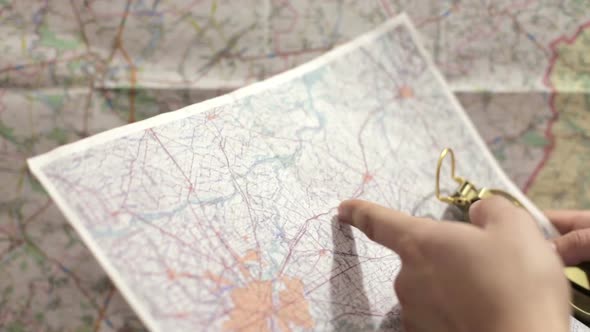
(574, 244)
(499, 276)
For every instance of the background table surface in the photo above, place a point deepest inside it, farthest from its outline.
(69, 69)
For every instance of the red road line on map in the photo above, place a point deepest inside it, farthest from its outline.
(289, 29)
(38, 212)
(437, 18)
(130, 176)
(2, 108)
(78, 188)
(42, 64)
(103, 308)
(242, 267)
(279, 54)
(132, 67)
(165, 232)
(115, 14)
(15, 243)
(298, 237)
(366, 174)
(332, 277)
(132, 82)
(555, 114)
(172, 158)
(244, 197)
(387, 7)
(287, 4)
(494, 13)
(65, 270)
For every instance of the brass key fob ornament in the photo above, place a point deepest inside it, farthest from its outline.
(467, 193)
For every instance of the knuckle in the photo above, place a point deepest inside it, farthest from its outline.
(363, 212)
(580, 220)
(414, 243)
(421, 234)
(410, 247)
(580, 240)
(574, 247)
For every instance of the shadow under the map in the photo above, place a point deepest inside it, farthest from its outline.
(350, 309)
(392, 320)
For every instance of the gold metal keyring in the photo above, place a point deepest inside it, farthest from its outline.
(458, 179)
(467, 194)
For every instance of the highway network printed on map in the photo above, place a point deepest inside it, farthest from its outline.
(221, 214)
(72, 69)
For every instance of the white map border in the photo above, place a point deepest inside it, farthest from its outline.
(37, 163)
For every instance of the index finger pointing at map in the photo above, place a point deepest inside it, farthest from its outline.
(382, 225)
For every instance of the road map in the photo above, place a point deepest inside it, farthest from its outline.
(70, 69)
(221, 215)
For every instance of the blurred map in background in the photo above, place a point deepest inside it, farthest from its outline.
(69, 69)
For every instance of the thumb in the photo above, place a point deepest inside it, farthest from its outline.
(497, 211)
(574, 247)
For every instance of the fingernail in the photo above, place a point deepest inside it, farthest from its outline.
(553, 246)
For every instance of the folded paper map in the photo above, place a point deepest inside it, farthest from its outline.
(221, 215)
